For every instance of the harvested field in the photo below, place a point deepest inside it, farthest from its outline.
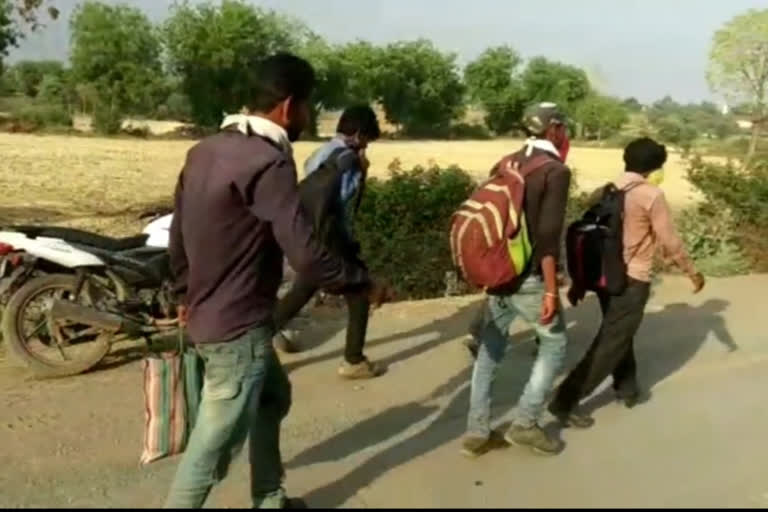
(101, 184)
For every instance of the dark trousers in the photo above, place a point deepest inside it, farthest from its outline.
(612, 351)
(358, 307)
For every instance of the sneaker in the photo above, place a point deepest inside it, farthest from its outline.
(535, 438)
(572, 419)
(363, 370)
(473, 446)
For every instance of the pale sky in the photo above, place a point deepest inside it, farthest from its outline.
(641, 48)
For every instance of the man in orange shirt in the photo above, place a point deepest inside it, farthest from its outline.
(648, 225)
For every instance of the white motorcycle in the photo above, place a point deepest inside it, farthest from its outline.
(74, 293)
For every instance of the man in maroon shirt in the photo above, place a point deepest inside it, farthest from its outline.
(237, 212)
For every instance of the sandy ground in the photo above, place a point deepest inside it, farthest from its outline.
(100, 184)
(394, 441)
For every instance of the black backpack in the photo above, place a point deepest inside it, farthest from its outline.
(595, 246)
(320, 192)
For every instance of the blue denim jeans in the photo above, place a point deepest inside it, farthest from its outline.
(245, 394)
(500, 313)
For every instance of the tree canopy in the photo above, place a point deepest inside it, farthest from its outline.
(212, 48)
(738, 66)
(116, 50)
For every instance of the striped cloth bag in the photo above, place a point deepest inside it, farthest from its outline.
(172, 387)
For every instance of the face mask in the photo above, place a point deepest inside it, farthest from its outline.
(656, 177)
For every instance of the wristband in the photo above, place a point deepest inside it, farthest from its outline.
(553, 295)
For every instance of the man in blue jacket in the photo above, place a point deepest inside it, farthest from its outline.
(357, 127)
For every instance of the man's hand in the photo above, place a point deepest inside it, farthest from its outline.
(380, 293)
(182, 311)
(698, 282)
(549, 307)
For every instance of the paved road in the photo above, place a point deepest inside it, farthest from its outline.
(394, 441)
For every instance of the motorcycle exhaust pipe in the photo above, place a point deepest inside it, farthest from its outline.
(66, 311)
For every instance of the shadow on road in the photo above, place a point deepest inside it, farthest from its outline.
(669, 339)
(447, 329)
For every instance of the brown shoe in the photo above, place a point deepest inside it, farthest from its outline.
(473, 446)
(534, 438)
(359, 371)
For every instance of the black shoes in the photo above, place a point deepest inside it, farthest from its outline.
(572, 419)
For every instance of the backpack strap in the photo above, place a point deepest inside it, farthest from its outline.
(520, 164)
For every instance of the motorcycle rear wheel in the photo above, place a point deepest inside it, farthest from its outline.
(75, 358)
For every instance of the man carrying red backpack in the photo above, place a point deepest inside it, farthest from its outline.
(535, 183)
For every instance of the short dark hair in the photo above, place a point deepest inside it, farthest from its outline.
(359, 119)
(644, 155)
(279, 77)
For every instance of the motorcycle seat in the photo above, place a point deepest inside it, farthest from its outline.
(85, 238)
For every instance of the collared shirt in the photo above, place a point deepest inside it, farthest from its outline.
(237, 211)
(648, 225)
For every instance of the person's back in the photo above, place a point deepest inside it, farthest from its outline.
(647, 225)
(332, 191)
(237, 211)
(533, 296)
(235, 263)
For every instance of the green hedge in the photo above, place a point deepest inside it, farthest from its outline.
(731, 226)
(403, 226)
(35, 117)
(404, 222)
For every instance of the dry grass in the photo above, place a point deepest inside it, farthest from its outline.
(101, 184)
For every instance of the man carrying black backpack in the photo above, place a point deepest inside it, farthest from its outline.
(623, 288)
(331, 194)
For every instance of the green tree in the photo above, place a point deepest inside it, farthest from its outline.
(9, 31)
(420, 87)
(673, 131)
(363, 63)
(14, 15)
(27, 75)
(211, 49)
(493, 82)
(545, 80)
(738, 67)
(28, 11)
(632, 104)
(332, 76)
(115, 48)
(601, 116)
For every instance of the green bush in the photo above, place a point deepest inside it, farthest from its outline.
(712, 242)
(35, 117)
(736, 202)
(107, 120)
(468, 131)
(177, 107)
(403, 227)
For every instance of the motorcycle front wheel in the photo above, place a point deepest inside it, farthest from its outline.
(51, 350)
